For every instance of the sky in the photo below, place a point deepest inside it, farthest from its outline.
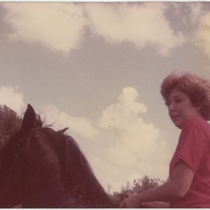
(97, 69)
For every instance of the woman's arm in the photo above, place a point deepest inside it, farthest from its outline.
(176, 187)
(155, 204)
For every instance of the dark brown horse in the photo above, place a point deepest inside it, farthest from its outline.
(40, 167)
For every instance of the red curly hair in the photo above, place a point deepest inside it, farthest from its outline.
(197, 88)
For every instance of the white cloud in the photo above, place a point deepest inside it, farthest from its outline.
(127, 146)
(203, 34)
(141, 24)
(129, 128)
(196, 12)
(124, 111)
(138, 142)
(77, 126)
(58, 26)
(12, 98)
(136, 146)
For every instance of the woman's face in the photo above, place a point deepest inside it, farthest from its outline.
(180, 108)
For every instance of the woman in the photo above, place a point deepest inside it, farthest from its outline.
(187, 98)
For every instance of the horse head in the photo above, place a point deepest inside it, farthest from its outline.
(41, 167)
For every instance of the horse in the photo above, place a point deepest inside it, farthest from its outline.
(44, 168)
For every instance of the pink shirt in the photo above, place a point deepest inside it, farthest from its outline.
(194, 149)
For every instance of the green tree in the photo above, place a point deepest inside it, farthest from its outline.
(10, 122)
(138, 185)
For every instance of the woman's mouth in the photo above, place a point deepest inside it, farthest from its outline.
(174, 117)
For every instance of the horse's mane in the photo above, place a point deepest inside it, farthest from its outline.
(67, 148)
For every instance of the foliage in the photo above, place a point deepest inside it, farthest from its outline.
(138, 186)
(9, 123)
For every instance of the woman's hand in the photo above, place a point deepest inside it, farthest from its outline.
(132, 201)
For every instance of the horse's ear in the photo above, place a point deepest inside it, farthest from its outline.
(62, 131)
(28, 119)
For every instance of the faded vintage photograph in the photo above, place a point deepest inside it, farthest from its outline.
(104, 104)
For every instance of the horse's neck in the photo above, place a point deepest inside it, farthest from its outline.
(59, 175)
(80, 178)
(44, 185)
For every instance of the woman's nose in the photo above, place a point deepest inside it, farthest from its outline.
(171, 106)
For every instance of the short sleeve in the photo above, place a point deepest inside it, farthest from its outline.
(193, 146)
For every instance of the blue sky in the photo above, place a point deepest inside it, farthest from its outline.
(97, 69)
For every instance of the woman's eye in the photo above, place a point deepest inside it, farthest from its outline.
(178, 100)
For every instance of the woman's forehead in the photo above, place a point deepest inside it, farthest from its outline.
(177, 92)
